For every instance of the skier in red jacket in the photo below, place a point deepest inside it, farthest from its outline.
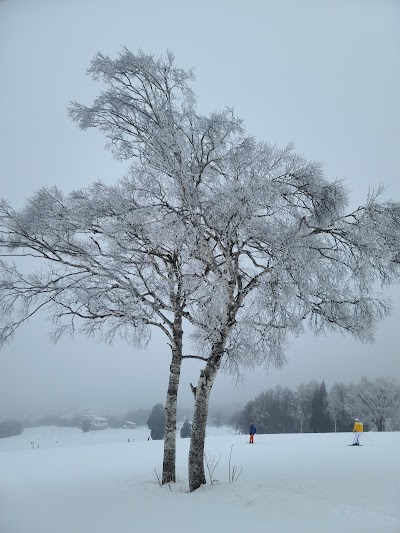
(252, 432)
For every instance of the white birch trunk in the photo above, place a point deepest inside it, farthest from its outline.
(197, 475)
(168, 473)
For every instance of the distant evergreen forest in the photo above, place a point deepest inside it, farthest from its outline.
(311, 408)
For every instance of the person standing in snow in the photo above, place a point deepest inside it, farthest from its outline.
(252, 432)
(358, 429)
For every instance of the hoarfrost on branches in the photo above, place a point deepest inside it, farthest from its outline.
(377, 401)
(246, 241)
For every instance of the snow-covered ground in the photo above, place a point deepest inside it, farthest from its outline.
(98, 482)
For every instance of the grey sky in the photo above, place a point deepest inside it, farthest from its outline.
(323, 74)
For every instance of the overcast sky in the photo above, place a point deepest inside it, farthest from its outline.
(323, 74)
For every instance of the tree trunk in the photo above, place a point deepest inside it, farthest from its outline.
(380, 424)
(197, 475)
(168, 473)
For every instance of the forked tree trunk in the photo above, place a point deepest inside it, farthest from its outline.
(168, 473)
(197, 475)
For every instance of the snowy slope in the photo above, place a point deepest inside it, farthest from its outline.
(99, 482)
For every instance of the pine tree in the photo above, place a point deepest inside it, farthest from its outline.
(320, 417)
(186, 429)
(156, 422)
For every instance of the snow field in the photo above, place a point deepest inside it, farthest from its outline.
(98, 482)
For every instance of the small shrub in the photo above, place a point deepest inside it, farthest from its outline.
(85, 425)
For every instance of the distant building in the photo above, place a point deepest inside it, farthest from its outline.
(129, 425)
(96, 422)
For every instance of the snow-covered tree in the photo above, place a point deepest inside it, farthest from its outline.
(338, 398)
(109, 250)
(277, 246)
(148, 113)
(304, 396)
(377, 401)
(273, 411)
(110, 264)
(282, 254)
(267, 242)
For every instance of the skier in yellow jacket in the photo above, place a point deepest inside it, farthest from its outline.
(358, 429)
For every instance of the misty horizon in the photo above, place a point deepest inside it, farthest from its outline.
(331, 87)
